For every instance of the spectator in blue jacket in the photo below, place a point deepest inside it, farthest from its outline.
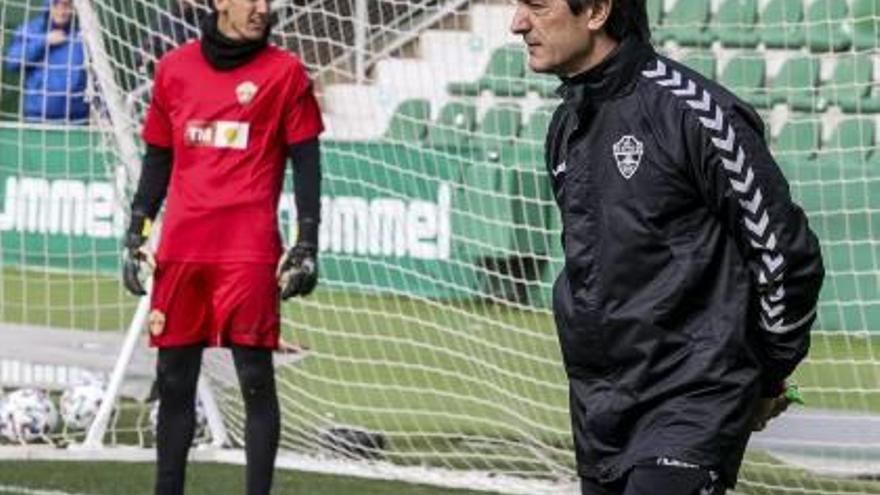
(49, 50)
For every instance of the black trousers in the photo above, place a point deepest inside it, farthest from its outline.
(653, 479)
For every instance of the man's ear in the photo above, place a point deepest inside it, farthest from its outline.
(598, 14)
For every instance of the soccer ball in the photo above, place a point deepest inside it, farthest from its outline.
(79, 405)
(27, 415)
(201, 419)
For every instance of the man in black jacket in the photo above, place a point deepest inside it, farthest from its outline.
(690, 279)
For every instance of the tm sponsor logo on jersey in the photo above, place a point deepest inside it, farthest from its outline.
(628, 154)
(216, 134)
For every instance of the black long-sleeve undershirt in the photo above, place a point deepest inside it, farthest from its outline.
(306, 161)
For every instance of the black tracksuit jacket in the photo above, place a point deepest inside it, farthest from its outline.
(691, 278)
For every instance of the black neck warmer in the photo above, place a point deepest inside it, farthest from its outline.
(224, 53)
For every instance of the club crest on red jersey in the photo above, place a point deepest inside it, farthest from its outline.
(245, 92)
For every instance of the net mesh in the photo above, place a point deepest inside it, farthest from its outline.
(430, 340)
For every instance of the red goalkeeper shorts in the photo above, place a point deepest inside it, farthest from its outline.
(216, 304)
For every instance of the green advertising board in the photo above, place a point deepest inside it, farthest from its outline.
(394, 217)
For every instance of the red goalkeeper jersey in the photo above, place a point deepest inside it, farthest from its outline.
(230, 131)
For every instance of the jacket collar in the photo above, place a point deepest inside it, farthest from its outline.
(613, 77)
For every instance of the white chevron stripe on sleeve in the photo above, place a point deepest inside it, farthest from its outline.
(690, 90)
(674, 81)
(736, 166)
(752, 205)
(703, 104)
(658, 72)
(758, 228)
(744, 185)
(715, 124)
(725, 144)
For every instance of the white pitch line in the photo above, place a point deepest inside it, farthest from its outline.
(23, 490)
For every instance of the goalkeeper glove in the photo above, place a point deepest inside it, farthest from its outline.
(771, 407)
(138, 261)
(298, 270)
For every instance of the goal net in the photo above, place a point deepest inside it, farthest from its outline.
(429, 346)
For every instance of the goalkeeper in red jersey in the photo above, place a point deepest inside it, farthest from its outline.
(227, 112)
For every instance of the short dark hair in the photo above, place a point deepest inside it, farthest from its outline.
(627, 17)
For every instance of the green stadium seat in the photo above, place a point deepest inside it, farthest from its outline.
(781, 24)
(500, 125)
(868, 104)
(490, 185)
(543, 84)
(506, 71)
(734, 24)
(535, 130)
(454, 127)
(827, 26)
(410, 121)
(795, 84)
(655, 13)
(706, 63)
(853, 134)
(686, 24)
(503, 74)
(534, 196)
(463, 88)
(846, 153)
(866, 24)
(798, 140)
(850, 83)
(746, 75)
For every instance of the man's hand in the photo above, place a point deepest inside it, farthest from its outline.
(137, 259)
(771, 407)
(56, 37)
(298, 271)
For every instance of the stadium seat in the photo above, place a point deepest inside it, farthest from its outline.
(706, 63)
(734, 24)
(795, 147)
(798, 138)
(503, 74)
(794, 84)
(686, 24)
(866, 24)
(535, 130)
(655, 13)
(464, 88)
(454, 127)
(827, 26)
(746, 75)
(781, 24)
(534, 196)
(500, 125)
(869, 104)
(410, 121)
(543, 84)
(847, 149)
(851, 82)
(489, 185)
